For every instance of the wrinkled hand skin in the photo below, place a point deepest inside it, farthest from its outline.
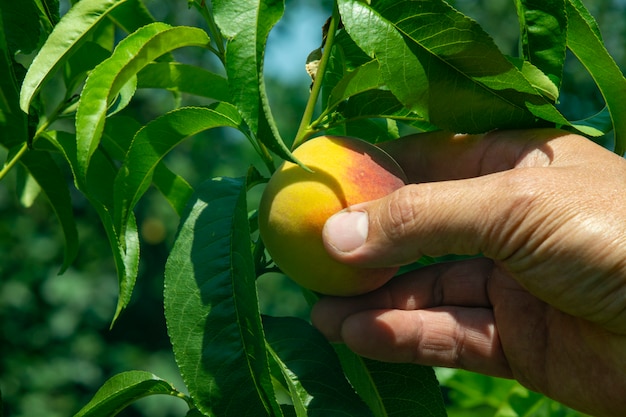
(546, 302)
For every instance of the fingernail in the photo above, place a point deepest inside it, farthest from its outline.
(346, 230)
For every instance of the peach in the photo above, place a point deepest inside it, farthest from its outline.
(296, 204)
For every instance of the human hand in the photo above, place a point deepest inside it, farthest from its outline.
(546, 304)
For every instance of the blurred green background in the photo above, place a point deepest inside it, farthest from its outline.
(56, 348)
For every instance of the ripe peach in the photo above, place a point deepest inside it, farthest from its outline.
(296, 204)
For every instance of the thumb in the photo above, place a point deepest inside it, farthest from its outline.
(461, 217)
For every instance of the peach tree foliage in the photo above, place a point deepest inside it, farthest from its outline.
(383, 65)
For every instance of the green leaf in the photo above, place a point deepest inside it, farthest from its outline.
(364, 78)
(247, 24)
(596, 125)
(372, 115)
(118, 134)
(116, 140)
(391, 389)
(335, 71)
(543, 28)
(353, 56)
(371, 130)
(106, 80)
(212, 309)
(174, 188)
(184, 78)
(469, 389)
(98, 188)
(117, 137)
(26, 187)
(154, 141)
(584, 42)
(428, 57)
(66, 37)
(81, 62)
(122, 390)
(52, 182)
(539, 80)
(377, 103)
(124, 96)
(311, 369)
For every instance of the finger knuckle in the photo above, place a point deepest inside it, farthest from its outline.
(401, 213)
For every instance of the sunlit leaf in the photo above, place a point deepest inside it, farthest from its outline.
(81, 62)
(106, 80)
(583, 40)
(122, 390)
(364, 78)
(124, 96)
(543, 28)
(98, 188)
(174, 188)
(212, 309)
(26, 187)
(184, 78)
(597, 125)
(428, 57)
(155, 140)
(116, 140)
(247, 24)
(67, 35)
(537, 78)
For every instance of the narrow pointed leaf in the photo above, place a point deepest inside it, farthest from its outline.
(425, 48)
(52, 182)
(118, 134)
(597, 125)
(27, 189)
(97, 187)
(66, 37)
(174, 188)
(584, 42)
(212, 309)
(155, 140)
(540, 81)
(122, 390)
(247, 24)
(311, 369)
(81, 62)
(116, 140)
(105, 81)
(543, 28)
(124, 96)
(184, 78)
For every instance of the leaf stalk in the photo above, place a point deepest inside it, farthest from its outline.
(214, 30)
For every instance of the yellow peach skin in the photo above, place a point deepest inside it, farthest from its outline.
(296, 204)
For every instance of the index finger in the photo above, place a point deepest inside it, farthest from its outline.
(442, 156)
(460, 284)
